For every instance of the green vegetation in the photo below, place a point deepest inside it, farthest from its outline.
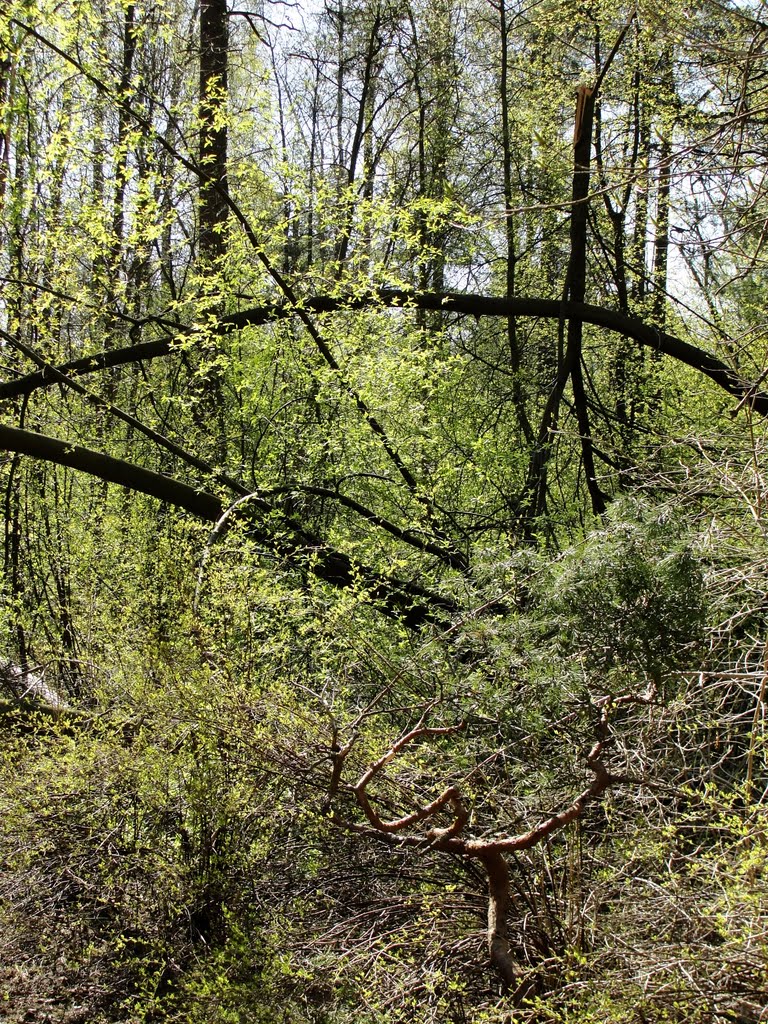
(383, 615)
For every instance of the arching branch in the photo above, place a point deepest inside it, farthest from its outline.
(412, 604)
(117, 471)
(451, 302)
(216, 186)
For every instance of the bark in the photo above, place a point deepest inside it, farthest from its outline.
(569, 366)
(214, 47)
(208, 384)
(577, 284)
(160, 440)
(574, 291)
(490, 853)
(362, 133)
(515, 355)
(474, 305)
(7, 90)
(661, 242)
(222, 479)
(117, 471)
(412, 604)
(121, 168)
(498, 916)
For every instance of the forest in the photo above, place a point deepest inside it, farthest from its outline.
(383, 616)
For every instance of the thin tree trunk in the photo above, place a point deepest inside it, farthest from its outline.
(7, 90)
(661, 242)
(214, 44)
(570, 365)
(515, 355)
(214, 210)
(577, 274)
(498, 917)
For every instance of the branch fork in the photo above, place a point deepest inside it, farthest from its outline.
(450, 839)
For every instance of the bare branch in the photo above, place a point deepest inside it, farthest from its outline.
(450, 302)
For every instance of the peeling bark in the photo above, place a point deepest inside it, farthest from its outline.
(498, 916)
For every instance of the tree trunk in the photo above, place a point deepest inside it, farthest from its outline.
(498, 917)
(214, 43)
(570, 363)
(513, 343)
(577, 284)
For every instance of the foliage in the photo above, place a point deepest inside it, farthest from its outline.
(383, 594)
(631, 601)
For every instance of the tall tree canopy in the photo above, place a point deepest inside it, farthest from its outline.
(383, 395)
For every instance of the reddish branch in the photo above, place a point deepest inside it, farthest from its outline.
(450, 796)
(490, 852)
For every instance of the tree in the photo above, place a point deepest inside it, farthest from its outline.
(367, 314)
